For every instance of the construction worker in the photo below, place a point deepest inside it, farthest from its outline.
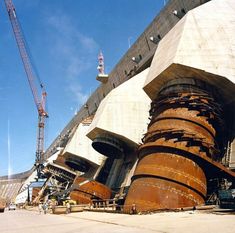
(45, 207)
(40, 207)
(68, 207)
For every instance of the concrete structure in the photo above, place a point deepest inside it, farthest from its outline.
(79, 153)
(23, 192)
(23, 221)
(10, 186)
(126, 68)
(201, 45)
(123, 114)
(191, 84)
(117, 130)
(184, 64)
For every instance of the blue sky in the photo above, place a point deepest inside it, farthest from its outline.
(64, 37)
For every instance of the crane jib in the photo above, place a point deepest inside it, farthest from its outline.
(31, 76)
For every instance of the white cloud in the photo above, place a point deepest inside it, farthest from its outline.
(76, 90)
(76, 67)
(73, 51)
(88, 43)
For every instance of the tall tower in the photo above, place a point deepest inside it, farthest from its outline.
(100, 66)
(102, 77)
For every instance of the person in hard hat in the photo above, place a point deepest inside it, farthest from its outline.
(40, 207)
(68, 207)
(45, 207)
(53, 205)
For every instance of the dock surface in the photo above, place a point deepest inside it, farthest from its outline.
(24, 221)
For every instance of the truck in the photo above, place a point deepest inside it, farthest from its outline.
(2, 204)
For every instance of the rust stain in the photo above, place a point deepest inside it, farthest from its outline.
(185, 120)
(91, 190)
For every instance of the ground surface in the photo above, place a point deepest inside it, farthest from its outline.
(23, 221)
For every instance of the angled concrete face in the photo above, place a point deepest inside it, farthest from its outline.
(191, 81)
(51, 159)
(58, 161)
(201, 45)
(80, 152)
(123, 114)
(23, 192)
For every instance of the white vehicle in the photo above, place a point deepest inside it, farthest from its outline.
(12, 206)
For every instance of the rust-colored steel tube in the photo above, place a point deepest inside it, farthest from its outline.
(185, 122)
(84, 193)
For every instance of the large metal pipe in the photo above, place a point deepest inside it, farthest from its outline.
(84, 191)
(109, 146)
(186, 123)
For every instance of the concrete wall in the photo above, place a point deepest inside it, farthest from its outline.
(10, 186)
(205, 42)
(201, 46)
(123, 112)
(80, 146)
(126, 68)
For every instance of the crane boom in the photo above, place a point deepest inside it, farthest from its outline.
(31, 76)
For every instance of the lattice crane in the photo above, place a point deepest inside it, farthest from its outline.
(31, 76)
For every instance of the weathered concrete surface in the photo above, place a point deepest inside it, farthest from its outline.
(201, 45)
(10, 186)
(22, 221)
(80, 146)
(125, 68)
(123, 112)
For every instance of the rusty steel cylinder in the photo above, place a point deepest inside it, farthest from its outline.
(185, 121)
(85, 193)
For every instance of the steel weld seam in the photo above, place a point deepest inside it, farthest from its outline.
(198, 181)
(135, 178)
